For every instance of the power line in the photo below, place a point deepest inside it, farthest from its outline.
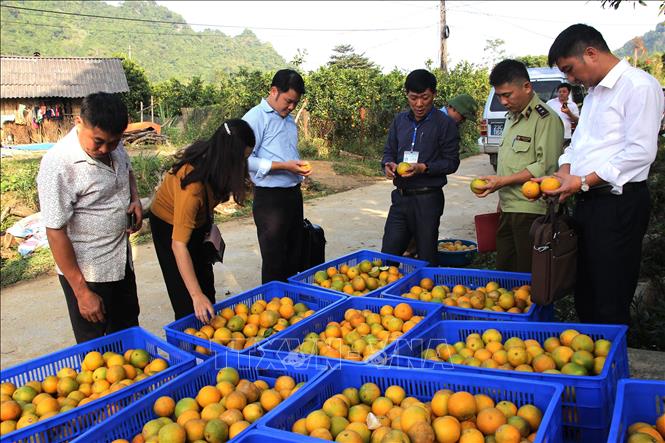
(262, 28)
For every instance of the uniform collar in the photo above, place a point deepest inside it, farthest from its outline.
(612, 77)
(528, 110)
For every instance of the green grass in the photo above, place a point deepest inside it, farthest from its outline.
(368, 168)
(21, 268)
(18, 179)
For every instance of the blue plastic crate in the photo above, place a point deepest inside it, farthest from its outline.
(63, 427)
(421, 384)
(281, 347)
(130, 421)
(406, 266)
(637, 400)
(587, 400)
(456, 258)
(317, 300)
(472, 278)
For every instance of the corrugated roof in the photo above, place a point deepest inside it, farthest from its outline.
(26, 77)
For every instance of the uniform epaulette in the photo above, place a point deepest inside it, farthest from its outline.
(540, 109)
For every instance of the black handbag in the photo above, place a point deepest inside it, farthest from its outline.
(213, 243)
(313, 245)
(554, 255)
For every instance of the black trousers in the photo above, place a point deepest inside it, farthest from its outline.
(120, 303)
(278, 215)
(513, 243)
(175, 286)
(611, 229)
(414, 216)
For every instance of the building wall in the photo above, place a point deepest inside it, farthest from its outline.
(24, 131)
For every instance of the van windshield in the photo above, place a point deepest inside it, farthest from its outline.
(546, 89)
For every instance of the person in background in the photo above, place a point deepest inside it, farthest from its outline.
(564, 105)
(428, 140)
(606, 167)
(461, 108)
(204, 174)
(90, 204)
(530, 146)
(276, 170)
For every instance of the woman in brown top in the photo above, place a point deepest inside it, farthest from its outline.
(214, 169)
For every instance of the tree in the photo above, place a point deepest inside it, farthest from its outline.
(616, 3)
(139, 88)
(299, 58)
(534, 61)
(344, 57)
(494, 52)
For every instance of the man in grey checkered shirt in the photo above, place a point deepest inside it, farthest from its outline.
(87, 195)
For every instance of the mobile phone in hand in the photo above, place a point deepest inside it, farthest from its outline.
(131, 220)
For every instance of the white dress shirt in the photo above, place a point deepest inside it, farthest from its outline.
(555, 104)
(617, 135)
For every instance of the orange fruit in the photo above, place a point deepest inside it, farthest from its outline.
(403, 311)
(532, 415)
(270, 399)
(471, 435)
(208, 395)
(447, 429)
(531, 189)
(660, 425)
(413, 415)
(550, 184)
(236, 400)
(317, 420)
(489, 420)
(462, 405)
(10, 410)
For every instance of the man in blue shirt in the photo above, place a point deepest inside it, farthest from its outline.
(428, 140)
(276, 170)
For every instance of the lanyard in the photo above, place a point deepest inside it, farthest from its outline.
(415, 128)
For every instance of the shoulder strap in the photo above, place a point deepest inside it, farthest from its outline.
(206, 198)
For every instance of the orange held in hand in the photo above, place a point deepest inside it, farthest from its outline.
(550, 184)
(306, 166)
(531, 189)
(402, 168)
(477, 184)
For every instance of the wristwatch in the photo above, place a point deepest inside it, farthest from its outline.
(585, 185)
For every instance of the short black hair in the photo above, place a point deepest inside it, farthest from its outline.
(509, 71)
(568, 86)
(574, 40)
(105, 111)
(286, 79)
(419, 81)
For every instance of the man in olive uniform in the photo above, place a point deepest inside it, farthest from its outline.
(530, 147)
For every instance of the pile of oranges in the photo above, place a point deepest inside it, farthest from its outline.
(490, 297)
(367, 414)
(100, 375)
(217, 413)
(570, 353)
(642, 432)
(243, 326)
(361, 334)
(360, 279)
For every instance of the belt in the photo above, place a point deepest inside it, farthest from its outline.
(416, 191)
(606, 190)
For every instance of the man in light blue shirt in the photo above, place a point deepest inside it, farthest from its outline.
(276, 170)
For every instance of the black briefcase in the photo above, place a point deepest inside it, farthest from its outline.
(313, 243)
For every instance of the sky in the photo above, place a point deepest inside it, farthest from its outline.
(405, 34)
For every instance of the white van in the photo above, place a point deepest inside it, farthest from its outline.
(545, 82)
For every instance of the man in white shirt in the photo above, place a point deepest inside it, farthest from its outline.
(606, 166)
(567, 110)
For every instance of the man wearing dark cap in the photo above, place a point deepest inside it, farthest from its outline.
(461, 108)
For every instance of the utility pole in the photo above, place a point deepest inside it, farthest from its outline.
(444, 32)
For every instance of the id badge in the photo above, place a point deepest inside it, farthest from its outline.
(410, 157)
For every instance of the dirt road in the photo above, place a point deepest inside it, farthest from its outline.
(33, 314)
